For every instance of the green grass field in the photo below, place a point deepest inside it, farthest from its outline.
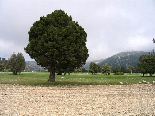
(40, 78)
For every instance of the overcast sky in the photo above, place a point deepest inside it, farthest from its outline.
(112, 26)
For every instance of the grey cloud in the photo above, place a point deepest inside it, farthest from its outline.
(112, 26)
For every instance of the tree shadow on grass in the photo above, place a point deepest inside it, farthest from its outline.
(15, 75)
(67, 83)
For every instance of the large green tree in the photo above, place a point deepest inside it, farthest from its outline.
(16, 63)
(57, 42)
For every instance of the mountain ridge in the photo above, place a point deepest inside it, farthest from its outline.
(121, 59)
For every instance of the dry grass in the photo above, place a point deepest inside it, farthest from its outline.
(17, 100)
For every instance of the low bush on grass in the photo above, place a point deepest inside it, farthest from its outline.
(119, 73)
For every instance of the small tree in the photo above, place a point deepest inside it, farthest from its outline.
(130, 68)
(2, 67)
(106, 69)
(116, 69)
(147, 64)
(78, 70)
(123, 69)
(94, 68)
(16, 63)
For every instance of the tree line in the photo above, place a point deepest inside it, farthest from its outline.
(106, 69)
(146, 65)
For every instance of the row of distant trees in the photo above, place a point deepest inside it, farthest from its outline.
(106, 69)
(15, 64)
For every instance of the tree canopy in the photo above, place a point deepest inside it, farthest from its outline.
(3, 64)
(106, 69)
(147, 64)
(2, 67)
(94, 68)
(16, 63)
(57, 42)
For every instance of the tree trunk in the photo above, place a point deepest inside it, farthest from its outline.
(52, 75)
(131, 72)
(143, 74)
(14, 72)
(150, 74)
(65, 73)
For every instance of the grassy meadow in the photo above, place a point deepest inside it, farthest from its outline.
(40, 78)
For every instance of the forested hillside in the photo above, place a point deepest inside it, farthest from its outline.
(32, 66)
(121, 59)
(124, 59)
(86, 66)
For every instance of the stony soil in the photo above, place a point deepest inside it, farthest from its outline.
(113, 100)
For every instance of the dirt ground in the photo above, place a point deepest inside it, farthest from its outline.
(113, 100)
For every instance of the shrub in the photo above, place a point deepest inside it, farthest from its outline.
(119, 73)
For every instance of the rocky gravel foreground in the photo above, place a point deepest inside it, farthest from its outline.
(113, 100)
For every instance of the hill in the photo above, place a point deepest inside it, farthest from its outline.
(121, 59)
(124, 59)
(32, 66)
(86, 66)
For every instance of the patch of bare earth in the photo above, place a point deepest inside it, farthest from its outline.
(17, 100)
